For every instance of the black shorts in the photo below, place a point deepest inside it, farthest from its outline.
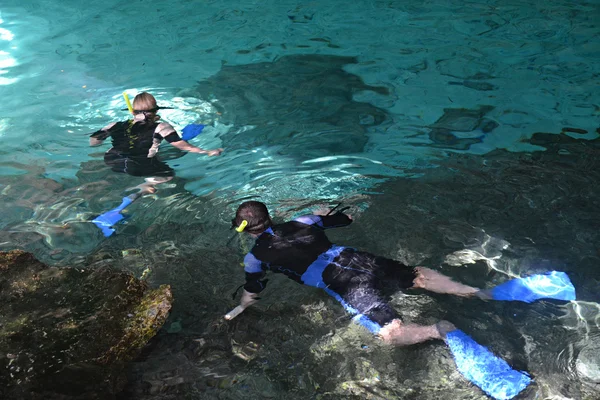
(364, 283)
(137, 165)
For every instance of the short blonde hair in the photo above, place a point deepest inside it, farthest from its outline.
(144, 102)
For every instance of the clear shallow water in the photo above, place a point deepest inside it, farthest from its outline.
(422, 117)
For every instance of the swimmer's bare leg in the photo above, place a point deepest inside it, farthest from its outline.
(433, 281)
(400, 334)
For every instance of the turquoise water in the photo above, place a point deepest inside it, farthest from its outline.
(462, 134)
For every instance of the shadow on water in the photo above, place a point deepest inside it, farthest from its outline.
(302, 105)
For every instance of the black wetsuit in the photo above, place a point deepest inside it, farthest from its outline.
(301, 250)
(131, 147)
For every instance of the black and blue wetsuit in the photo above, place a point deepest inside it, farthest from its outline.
(131, 144)
(301, 250)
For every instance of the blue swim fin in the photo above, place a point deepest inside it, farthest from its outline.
(108, 219)
(191, 131)
(480, 366)
(551, 285)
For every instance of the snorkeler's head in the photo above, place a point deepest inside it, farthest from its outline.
(255, 213)
(144, 106)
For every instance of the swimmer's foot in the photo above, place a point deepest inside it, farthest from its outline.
(433, 281)
(143, 189)
(444, 327)
(146, 189)
(401, 334)
(484, 294)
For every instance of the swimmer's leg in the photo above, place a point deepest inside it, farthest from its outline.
(371, 310)
(434, 281)
(394, 275)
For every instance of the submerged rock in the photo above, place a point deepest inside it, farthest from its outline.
(588, 364)
(66, 333)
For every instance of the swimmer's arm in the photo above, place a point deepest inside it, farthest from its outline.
(254, 285)
(98, 137)
(248, 299)
(170, 135)
(326, 221)
(253, 267)
(183, 145)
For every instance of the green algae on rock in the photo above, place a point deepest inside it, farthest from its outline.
(67, 332)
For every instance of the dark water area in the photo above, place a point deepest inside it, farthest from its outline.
(307, 113)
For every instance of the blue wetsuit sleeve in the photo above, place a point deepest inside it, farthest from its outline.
(254, 274)
(325, 221)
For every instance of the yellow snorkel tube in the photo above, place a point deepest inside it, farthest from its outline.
(242, 226)
(129, 106)
(243, 245)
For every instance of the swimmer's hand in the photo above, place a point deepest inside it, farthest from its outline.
(215, 152)
(323, 212)
(210, 153)
(193, 149)
(247, 300)
(95, 142)
(234, 313)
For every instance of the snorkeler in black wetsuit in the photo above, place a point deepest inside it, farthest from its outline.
(359, 280)
(132, 145)
(135, 143)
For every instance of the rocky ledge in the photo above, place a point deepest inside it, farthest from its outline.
(67, 333)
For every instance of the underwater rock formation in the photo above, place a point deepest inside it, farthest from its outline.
(66, 333)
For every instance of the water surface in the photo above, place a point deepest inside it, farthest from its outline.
(464, 136)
